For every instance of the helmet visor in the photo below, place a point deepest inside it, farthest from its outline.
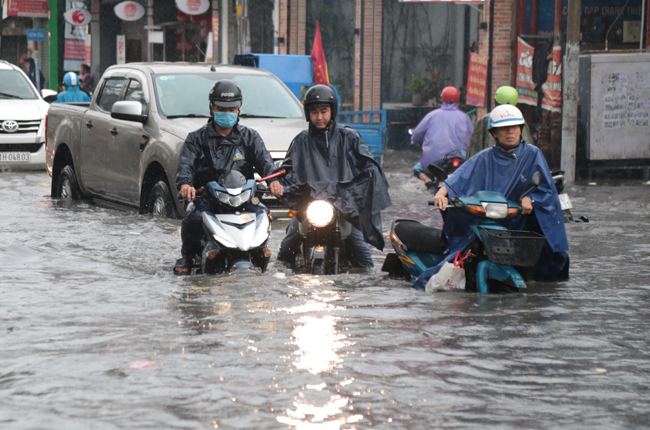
(226, 104)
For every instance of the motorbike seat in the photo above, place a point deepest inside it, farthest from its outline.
(417, 237)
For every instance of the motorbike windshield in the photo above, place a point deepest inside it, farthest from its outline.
(186, 95)
(232, 179)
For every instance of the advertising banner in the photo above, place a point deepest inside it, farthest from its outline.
(552, 89)
(121, 49)
(525, 85)
(28, 8)
(476, 79)
(129, 11)
(88, 46)
(74, 48)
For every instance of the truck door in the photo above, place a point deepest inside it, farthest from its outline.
(97, 169)
(125, 150)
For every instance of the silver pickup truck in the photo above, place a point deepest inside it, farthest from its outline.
(123, 146)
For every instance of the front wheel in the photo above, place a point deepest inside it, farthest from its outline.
(160, 202)
(68, 188)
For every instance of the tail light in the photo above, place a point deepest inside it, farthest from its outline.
(455, 162)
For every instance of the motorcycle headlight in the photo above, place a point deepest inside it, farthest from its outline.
(495, 210)
(320, 213)
(234, 201)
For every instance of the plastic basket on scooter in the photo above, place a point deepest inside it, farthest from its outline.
(512, 247)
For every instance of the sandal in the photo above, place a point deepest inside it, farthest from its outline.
(183, 263)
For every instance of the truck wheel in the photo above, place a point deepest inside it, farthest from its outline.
(68, 187)
(160, 202)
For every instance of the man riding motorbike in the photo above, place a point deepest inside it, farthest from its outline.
(331, 159)
(481, 139)
(440, 132)
(507, 168)
(72, 93)
(221, 145)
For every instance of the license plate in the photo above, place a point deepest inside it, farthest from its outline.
(15, 157)
(565, 202)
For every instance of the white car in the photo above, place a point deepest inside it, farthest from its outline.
(22, 120)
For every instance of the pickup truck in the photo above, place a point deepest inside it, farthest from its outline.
(123, 146)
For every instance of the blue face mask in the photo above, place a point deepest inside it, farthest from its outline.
(225, 119)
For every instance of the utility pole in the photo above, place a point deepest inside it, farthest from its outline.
(570, 92)
(53, 23)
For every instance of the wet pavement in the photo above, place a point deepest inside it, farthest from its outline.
(96, 332)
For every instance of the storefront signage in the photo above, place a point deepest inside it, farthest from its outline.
(552, 89)
(74, 49)
(78, 17)
(121, 49)
(476, 79)
(28, 8)
(193, 7)
(129, 11)
(525, 84)
(36, 35)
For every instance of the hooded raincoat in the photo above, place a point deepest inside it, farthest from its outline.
(336, 165)
(72, 94)
(442, 131)
(508, 173)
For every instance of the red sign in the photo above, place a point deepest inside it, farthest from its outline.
(29, 8)
(476, 79)
(74, 49)
(78, 16)
(525, 85)
(552, 89)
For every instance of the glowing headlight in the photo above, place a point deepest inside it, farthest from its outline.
(234, 201)
(320, 213)
(495, 210)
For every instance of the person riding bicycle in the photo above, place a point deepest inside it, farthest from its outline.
(481, 139)
(322, 158)
(219, 146)
(72, 93)
(507, 168)
(441, 132)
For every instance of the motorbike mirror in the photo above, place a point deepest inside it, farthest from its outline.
(534, 183)
(437, 172)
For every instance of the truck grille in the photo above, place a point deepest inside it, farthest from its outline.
(23, 127)
(27, 147)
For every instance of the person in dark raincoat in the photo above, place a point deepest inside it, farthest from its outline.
(72, 93)
(219, 146)
(507, 168)
(334, 163)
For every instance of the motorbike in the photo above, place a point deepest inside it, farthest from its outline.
(565, 201)
(233, 238)
(324, 231)
(497, 254)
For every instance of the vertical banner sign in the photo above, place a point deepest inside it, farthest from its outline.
(121, 49)
(88, 49)
(74, 52)
(476, 79)
(525, 85)
(552, 89)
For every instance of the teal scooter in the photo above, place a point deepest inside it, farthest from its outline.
(498, 253)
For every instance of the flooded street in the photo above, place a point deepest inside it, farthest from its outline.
(97, 333)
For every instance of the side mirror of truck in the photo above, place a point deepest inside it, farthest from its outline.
(128, 111)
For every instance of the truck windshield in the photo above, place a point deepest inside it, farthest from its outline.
(187, 95)
(14, 85)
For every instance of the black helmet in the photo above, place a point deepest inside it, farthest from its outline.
(320, 95)
(225, 93)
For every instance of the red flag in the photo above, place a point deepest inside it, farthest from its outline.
(318, 57)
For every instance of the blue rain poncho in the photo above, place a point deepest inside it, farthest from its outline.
(72, 94)
(508, 173)
(442, 131)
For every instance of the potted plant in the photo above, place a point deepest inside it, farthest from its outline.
(420, 87)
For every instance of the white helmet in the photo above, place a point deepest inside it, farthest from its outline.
(505, 116)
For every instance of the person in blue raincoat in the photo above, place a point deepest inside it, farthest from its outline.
(72, 93)
(507, 168)
(440, 132)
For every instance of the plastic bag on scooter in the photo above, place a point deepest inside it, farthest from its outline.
(450, 276)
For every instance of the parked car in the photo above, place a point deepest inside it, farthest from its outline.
(22, 120)
(123, 146)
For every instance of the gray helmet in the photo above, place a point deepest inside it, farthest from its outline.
(225, 93)
(320, 95)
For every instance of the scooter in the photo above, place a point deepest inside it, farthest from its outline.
(565, 201)
(234, 239)
(496, 252)
(324, 230)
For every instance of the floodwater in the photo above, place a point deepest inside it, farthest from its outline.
(97, 333)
